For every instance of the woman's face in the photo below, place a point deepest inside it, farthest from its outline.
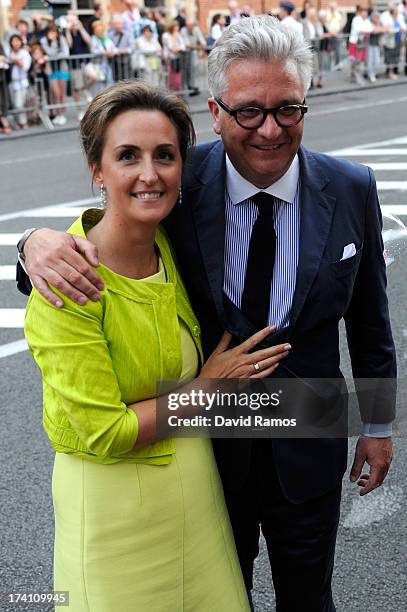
(99, 30)
(15, 44)
(141, 167)
(52, 35)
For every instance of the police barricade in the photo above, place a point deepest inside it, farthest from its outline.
(66, 85)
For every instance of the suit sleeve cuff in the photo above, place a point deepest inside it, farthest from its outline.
(377, 430)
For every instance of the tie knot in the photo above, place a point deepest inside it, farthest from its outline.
(264, 202)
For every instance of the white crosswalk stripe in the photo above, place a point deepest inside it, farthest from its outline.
(383, 157)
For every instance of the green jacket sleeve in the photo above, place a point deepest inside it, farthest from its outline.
(81, 390)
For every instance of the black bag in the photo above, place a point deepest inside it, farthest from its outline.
(175, 64)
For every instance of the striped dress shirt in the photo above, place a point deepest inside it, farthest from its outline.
(241, 214)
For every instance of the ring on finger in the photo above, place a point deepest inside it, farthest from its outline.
(257, 367)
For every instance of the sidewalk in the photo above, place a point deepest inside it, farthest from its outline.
(336, 82)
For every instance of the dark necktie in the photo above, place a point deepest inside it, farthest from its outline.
(260, 263)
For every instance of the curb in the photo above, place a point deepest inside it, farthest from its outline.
(204, 109)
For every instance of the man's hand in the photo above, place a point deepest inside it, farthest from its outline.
(378, 453)
(55, 258)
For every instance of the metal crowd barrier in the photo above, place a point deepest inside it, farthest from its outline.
(184, 74)
(88, 74)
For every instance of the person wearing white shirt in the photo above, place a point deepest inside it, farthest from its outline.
(358, 39)
(130, 16)
(336, 21)
(286, 14)
(149, 55)
(20, 61)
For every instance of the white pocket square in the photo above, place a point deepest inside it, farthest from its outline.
(348, 251)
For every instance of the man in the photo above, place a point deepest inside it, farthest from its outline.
(322, 220)
(144, 21)
(336, 20)
(124, 43)
(195, 44)
(287, 16)
(97, 16)
(234, 13)
(130, 16)
(181, 15)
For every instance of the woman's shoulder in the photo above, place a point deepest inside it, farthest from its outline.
(94, 309)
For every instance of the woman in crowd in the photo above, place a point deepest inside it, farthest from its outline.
(99, 71)
(373, 47)
(174, 47)
(4, 97)
(217, 26)
(392, 43)
(20, 61)
(78, 41)
(140, 522)
(40, 72)
(149, 55)
(56, 48)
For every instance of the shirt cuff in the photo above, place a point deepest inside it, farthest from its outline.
(377, 430)
(22, 264)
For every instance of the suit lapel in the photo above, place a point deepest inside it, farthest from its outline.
(317, 210)
(209, 215)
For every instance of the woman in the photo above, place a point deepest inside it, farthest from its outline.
(174, 47)
(20, 61)
(149, 54)
(98, 71)
(56, 48)
(138, 521)
(217, 26)
(392, 44)
(39, 74)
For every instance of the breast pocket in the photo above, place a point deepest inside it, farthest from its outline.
(346, 266)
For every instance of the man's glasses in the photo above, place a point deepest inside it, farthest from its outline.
(252, 117)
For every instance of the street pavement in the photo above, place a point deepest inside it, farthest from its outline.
(45, 183)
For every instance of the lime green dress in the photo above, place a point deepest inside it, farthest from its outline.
(135, 536)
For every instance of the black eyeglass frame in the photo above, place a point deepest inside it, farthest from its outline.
(265, 111)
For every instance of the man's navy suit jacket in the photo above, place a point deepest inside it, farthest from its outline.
(339, 206)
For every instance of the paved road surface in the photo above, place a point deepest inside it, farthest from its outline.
(44, 182)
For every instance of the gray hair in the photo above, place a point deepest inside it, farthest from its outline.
(263, 38)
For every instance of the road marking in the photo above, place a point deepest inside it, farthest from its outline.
(13, 347)
(390, 166)
(395, 185)
(9, 239)
(394, 209)
(375, 507)
(363, 106)
(8, 272)
(12, 318)
(358, 152)
(35, 158)
(46, 210)
(55, 212)
(380, 143)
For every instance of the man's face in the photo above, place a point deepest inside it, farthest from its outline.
(262, 155)
(118, 25)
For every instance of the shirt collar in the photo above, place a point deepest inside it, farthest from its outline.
(239, 189)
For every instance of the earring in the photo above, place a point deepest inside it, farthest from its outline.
(180, 195)
(103, 196)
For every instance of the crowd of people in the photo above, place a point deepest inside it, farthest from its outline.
(48, 58)
(43, 61)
